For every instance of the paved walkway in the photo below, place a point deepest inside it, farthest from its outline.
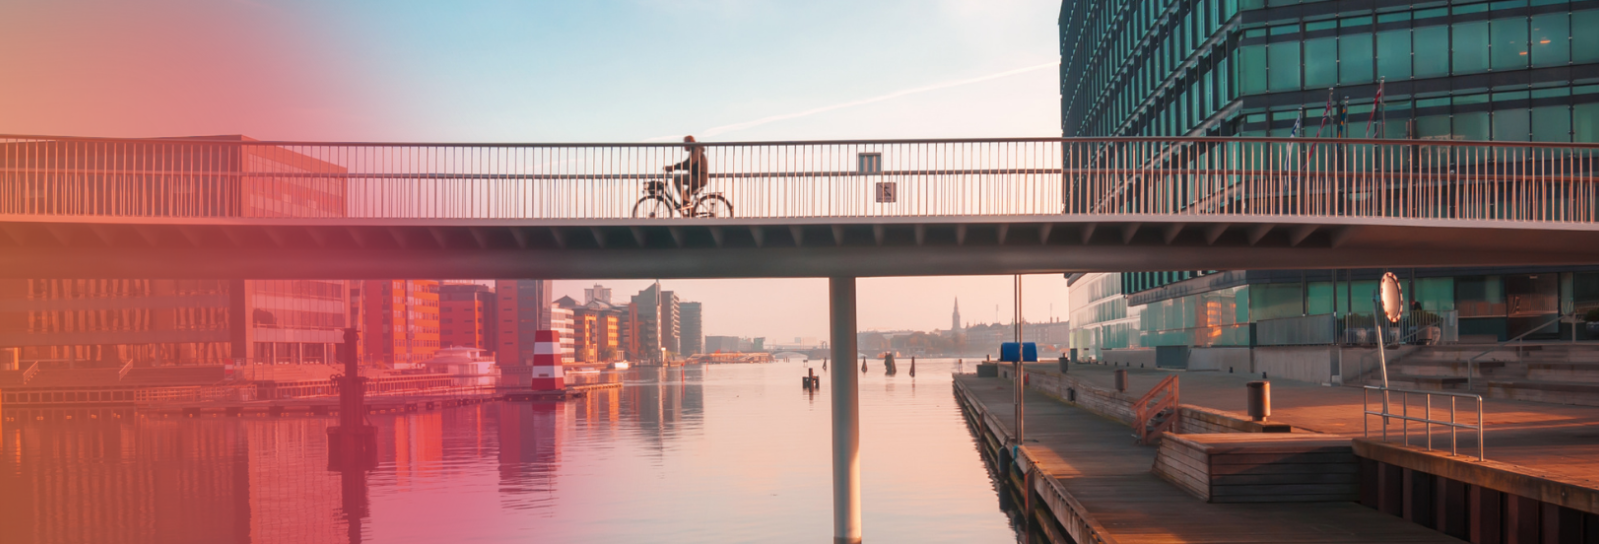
(1553, 439)
(1095, 460)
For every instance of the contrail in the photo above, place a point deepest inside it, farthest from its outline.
(713, 131)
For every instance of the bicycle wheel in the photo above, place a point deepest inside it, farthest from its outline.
(652, 207)
(713, 206)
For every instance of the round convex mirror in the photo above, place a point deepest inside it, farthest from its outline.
(1393, 300)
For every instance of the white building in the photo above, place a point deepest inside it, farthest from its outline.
(561, 323)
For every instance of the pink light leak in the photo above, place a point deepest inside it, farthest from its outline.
(169, 68)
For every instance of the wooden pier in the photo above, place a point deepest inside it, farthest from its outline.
(1087, 480)
(571, 391)
(317, 406)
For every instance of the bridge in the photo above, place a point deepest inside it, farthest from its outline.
(235, 208)
(83, 207)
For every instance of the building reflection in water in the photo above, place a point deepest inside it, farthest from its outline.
(95, 475)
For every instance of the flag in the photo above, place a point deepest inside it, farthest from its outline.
(1376, 106)
(1326, 114)
(1343, 118)
(1298, 121)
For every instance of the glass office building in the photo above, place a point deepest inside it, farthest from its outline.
(1519, 70)
(1508, 70)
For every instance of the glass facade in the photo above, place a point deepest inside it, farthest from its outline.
(1507, 70)
(1513, 70)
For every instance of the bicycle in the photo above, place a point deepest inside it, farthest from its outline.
(661, 201)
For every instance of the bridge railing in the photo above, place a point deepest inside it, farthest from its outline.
(1439, 179)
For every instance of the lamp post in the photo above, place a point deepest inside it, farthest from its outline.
(1388, 302)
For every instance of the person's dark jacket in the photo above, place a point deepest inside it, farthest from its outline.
(699, 172)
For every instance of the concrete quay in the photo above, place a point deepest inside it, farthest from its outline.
(1554, 440)
(1094, 484)
(1537, 484)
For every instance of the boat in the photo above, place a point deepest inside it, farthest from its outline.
(619, 365)
(465, 366)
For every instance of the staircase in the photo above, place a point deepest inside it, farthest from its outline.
(1156, 412)
(1554, 372)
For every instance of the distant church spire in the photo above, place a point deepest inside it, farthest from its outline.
(955, 325)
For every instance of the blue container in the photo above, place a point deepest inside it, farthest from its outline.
(1011, 352)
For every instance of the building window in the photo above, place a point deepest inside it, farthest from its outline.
(1550, 41)
(1354, 58)
(1283, 60)
(1469, 47)
(1393, 54)
(1509, 43)
(1432, 51)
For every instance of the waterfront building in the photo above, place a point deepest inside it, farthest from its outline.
(627, 331)
(657, 317)
(1502, 71)
(734, 344)
(171, 322)
(691, 336)
(596, 329)
(523, 307)
(401, 321)
(174, 322)
(561, 322)
(467, 316)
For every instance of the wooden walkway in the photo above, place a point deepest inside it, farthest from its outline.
(1551, 439)
(1103, 489)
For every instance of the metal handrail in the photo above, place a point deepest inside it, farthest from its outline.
(673, 144)
(1177, 176)
(1147, 407)
(27, 375)
(1471, 364)
(1426, 419)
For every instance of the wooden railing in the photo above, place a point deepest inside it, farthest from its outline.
(1156, 411)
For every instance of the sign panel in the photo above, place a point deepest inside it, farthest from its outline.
(886, 193)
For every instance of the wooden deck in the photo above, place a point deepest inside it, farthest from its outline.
(1551, 439)
(1099, 485)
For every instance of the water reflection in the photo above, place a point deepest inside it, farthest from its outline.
(721, 453)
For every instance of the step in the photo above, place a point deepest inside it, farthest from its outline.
(1455, 369)
(1427, 383)
(1553, 392)
(1563, 371)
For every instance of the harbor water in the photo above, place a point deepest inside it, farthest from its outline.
(719, 453)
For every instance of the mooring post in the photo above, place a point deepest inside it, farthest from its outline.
(846, 417)
(352, 444)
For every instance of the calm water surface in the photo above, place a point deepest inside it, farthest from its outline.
(733, 453)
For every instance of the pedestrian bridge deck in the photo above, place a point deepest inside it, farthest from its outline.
(1093, 461)
(237, 208)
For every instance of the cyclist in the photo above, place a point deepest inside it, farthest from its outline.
(697, 173)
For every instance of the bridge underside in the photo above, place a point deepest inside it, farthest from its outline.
(262, 248)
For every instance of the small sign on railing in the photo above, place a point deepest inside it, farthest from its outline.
(886, 193)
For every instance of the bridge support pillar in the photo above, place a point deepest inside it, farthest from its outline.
(846, 415)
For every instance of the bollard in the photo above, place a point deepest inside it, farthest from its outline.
(1121, 381)
(1065, 364)
(1259, 400)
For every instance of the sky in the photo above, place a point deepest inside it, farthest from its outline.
(590, 71)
